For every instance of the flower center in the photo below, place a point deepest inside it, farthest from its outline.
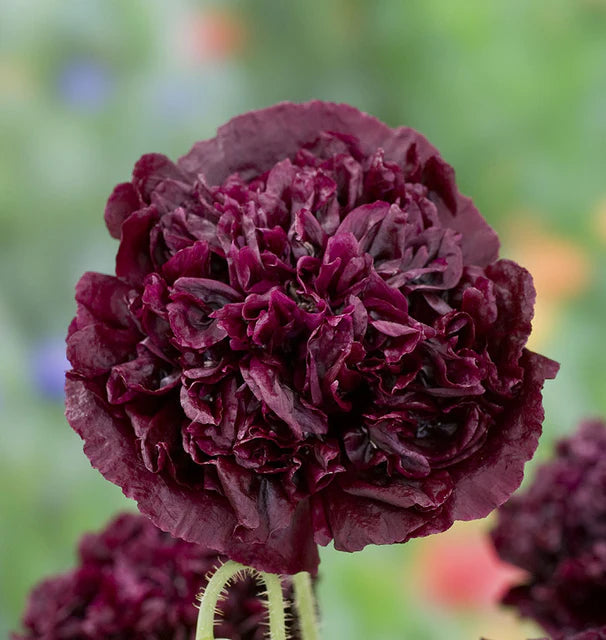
(304, 301)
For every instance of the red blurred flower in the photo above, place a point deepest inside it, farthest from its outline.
(460, 569)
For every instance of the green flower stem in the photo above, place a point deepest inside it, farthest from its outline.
(215, 588)
(306, 606)
(210, 598)
(275, 606)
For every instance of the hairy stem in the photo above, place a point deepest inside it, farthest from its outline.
(275, 606)
(210, 598)
(306, 606)
(215, 588)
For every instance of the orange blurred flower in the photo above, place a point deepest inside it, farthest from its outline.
(213, 34)
(559, 266)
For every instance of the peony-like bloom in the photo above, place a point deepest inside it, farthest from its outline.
(556, 531)
(309, 338)
(135, 582)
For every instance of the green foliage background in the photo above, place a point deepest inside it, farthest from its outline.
(513, 92)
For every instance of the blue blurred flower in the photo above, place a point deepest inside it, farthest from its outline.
(85, 84)
(48, 365)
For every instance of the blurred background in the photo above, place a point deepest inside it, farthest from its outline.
(512, 92)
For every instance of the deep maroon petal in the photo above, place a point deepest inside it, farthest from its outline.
(134, 260)
(106, 298)
(95, 349)
(288, 549)
(192, 261)
(355, 521)
(484, 483)
(264, 381)
(150, 171)
(196, 516)
(123, 201)
(252, 143)
(410, 149)
(111, 447)
(427, 494)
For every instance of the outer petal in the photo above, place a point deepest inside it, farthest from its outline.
(359, 513)
(197, 516)
(111, 447)
(106, 298)
(356, 522)
(253, 142)
(286, 550)
(96, 348)
(133, 261)
(123, 201)
(488, 479)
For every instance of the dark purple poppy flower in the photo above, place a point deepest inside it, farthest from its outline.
(556, 531)
(309, 338)
(135, 582)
